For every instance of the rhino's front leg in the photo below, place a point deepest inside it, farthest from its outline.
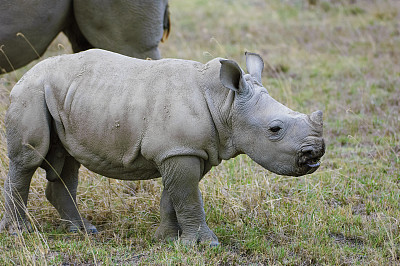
(169, 228)
(181, 176)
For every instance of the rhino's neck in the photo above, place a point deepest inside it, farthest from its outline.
(220, 102)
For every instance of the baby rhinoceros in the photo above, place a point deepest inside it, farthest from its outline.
(134, 119)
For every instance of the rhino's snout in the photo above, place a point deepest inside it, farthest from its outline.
(309, 156)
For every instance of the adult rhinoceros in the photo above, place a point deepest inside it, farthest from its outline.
(137, 119)
(130, 27)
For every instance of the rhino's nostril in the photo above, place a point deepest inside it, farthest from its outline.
(309, 156)
(307, 152)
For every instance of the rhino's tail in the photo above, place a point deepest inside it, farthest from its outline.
(166, 24)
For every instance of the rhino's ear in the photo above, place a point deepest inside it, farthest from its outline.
(232, 77)
(255, 65)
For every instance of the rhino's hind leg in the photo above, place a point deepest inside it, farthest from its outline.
(27, 128)
(62, 195)
(169, 228)
(55, 159)
(16, 190)
(24, 158)
(78, 41)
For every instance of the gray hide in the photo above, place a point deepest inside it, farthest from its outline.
(132, 27)
(136, 119)
(135, 32)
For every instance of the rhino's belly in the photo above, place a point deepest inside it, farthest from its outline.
(111, 153)
(140, 169)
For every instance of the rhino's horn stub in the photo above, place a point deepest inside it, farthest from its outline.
(316, 117)
(255, 65)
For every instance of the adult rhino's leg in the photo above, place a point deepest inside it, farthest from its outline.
(169, 228)
(62, 195)
(181, 176)
(78, 41)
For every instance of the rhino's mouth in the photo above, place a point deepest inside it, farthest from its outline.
(310, 162)
(313, 163)
(309, 158)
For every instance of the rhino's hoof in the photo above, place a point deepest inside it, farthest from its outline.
(81, 226)
(214, 244)
(211, 243)
(15, 228)
(74, 230)
(167, 233)
(92, 231)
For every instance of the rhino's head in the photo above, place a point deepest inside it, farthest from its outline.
(279, 139)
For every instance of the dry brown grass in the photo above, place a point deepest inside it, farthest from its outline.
(342, 57)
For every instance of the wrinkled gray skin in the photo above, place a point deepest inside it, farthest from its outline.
(133, 28)
(136, 119)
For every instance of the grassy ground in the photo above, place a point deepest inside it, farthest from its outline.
(340, 56)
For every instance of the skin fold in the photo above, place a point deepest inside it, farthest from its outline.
(137, 119)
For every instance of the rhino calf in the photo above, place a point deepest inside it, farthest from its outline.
(134, 119)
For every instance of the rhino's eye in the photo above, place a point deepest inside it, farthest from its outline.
(275, 129)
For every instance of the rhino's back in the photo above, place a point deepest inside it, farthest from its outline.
(114, 109)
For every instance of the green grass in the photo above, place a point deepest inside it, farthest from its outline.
(340, 56)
